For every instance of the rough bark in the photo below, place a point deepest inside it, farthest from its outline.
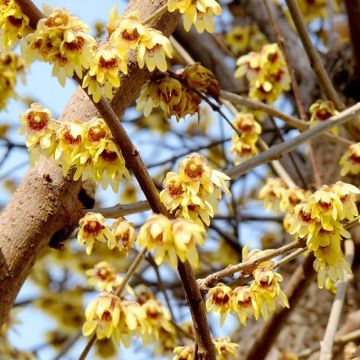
(41, 207)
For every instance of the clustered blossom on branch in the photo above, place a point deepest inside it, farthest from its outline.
(323, 110)
(84, 149)
(13, 24)
(178, 94)
(350, 161)
(193, 193)
(11, 66)
(245, 146)
(266, 72)
(258, 298)
(94, 230)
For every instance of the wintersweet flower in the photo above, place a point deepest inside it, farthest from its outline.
(103, 317)
(103, 277)
(272, 193)
(123, 235)
(126, 32)
(219, 300)
(14, 24)
(225, 349)
(200, 14)
(350, 161)
(321, 111)
(243, 303)
(153, 50)
(237, 39)
(40, 129)
(93, 229)
(243, 149)
(184, 353)
(347, 194)
(62, 40)
(292, 197)
(266, 291)
(156, 234)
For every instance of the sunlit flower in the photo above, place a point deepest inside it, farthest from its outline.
(184, 353)
(225, 349)
(123, 235)
(350, 161)
(272, 192)
(153, 50)
(103, 277)
(40, 129)
(103, 317)
(267, 292)
(321, 111)
(291, 197)
(242, 303)
(93, 229)
(219, 300)
(14, 24)
(347, 194)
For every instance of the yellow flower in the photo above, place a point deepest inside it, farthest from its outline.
(103, 277)
(237, 39)
(266, 291)
(184, 353)
(242, 303)
(225, 349)
(103, 317)
(93, 229)
(321, 111)
(129, 193)
(272, 193)
(70, 138)
(330, 263)
(181, 5)
(202, 79)
(350, 161)
(200, 14)
(266, 72)
(193, 193)
(291, 197)
(347, 194)
(156, 234)
(300, 222)
(106, 65)
(123, 235)
(242, 148)
(95, 89)
(326, 207)
(187, 235)
(153, 50)
(40, 129)
(13, 24)
(157, 320)
(219, 299)
(109, 165)
(62, 40)
(127, 31)
(132, 321)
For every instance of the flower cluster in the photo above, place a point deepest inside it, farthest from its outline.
(194, 191)
(11, 66)
(319, 220)
(86, 147)
(244, 146)
(171, 239)
(350, 161)
(312, 9)
(198, 13)
(13, 24)
(157, 321)
(224, 349)
(258, 298)
(103, 277)
(94, 230)
(60, 39)
(242, 38)
(266, 72)
(178, 96)
(108, 316)
(323, 110)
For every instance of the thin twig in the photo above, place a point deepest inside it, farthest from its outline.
(313, 55)
(121, 209)
(277, 151)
